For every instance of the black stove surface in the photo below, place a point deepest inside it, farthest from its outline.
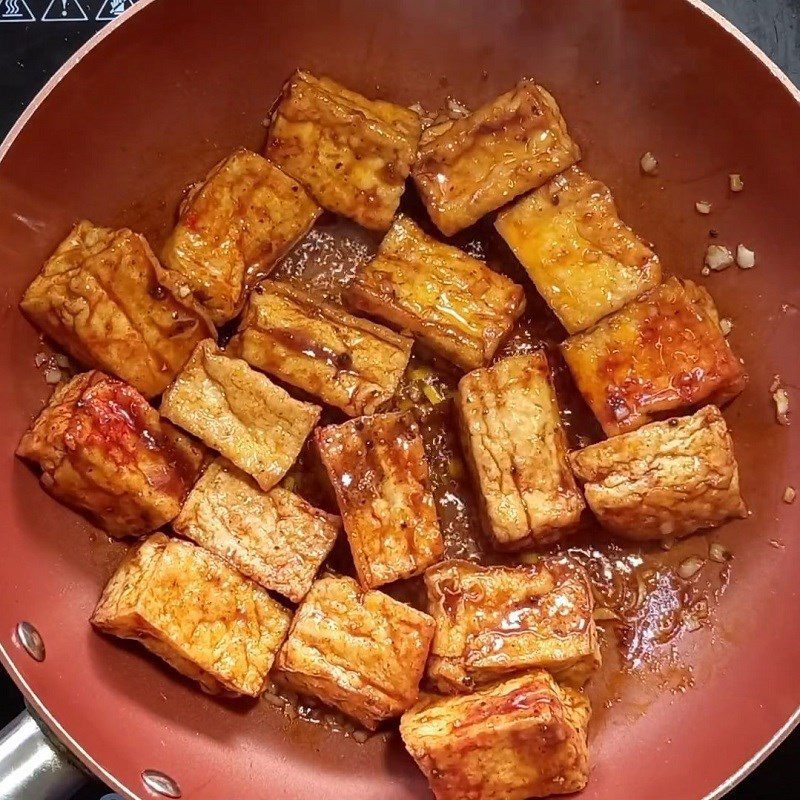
(37, 36)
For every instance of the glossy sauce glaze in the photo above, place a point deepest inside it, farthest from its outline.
(642, 604)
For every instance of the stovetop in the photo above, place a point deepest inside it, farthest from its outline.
(37, 36)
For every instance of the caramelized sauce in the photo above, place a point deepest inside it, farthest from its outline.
(301, 342)
(643, 605)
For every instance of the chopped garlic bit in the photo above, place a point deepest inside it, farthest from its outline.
(789, 494)
(735, 182)
(745, 258)
(781, 398)
(649, 164)
(457, 110)
(691, 623)
(718, 257)
(689, 567)
(62, 360)
(39, 359)
(725, 325)
(184, 291)
(703, 207)
(52, 375)
(719, 553)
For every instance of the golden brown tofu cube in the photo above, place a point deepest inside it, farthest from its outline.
(202, 617)
(276, 538)
(660, 354)
(235, 224)
(104, 298)
(360, 651)
(585, 261)
(481, 162)
(525, 737)
(666, 479)
(352, 154)
(240, 413)
(347, 362)
(516, 451)
(452, 302)
(105, 451)
(494, 621)
(378, 470)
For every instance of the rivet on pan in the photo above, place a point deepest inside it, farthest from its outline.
(159, 783)
(31, 640)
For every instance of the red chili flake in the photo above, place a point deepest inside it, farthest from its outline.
(190, 220)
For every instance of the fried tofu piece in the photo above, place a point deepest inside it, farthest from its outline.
(105, 451)
(525, 737)
(276, 538)
(660, 354)
(240, 413)
(584, 260)
(360, 651)
(352, 154)
(235, 224)
(492, 622)
(516, 451)
(452, 302)
(105, 299)
(477, 164)
(202, 617)
(347, 362)
(666, 479)
(379, 473)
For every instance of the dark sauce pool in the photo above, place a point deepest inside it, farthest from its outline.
(643, 604)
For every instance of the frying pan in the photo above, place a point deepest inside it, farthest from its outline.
(155, 99)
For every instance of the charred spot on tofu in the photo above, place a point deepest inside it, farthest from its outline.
(352, 154)
(659, 354)
(516, 450)
(360, 651)
(104, 450)
(583, 259)
(106, 300)
(495, 621)
(450, 301)
(233, 226)
(275, 538)
(379, 473)
(347, 362)
(240, 413)
(191, 609)
(524, 737)
(666, 479)
(481, 162)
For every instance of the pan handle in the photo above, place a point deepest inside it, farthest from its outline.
(33, 766)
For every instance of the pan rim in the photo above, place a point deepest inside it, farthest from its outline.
(30, 696)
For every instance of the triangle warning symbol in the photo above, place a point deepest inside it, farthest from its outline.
(111, 9)
(16, 11)
(64, 11)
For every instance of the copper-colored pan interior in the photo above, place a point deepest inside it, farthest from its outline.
(178, 86)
